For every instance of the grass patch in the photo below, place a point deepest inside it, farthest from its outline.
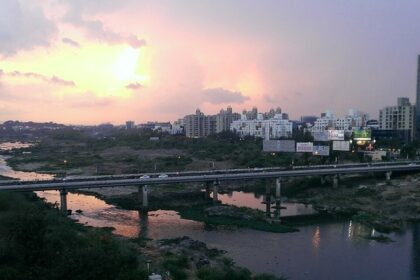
(196, 214)
(380, 238)
(38, 242)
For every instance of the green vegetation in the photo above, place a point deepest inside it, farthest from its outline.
(258, 223)
(122, 151)
(380, 238)
(37, 242)
(228, 272)
(177, 266)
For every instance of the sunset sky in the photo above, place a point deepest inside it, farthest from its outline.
(95, 61)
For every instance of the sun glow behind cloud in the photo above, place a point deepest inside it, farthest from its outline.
(125, 65)
(104, 70)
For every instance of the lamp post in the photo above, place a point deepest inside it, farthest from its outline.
(65, 168)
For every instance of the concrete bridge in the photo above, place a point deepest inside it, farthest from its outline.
(210, 178)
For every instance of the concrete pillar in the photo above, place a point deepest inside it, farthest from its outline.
(278, 198)
(145, 201)
(323, 180)
(388, 175)
(278, 189)
(335, 181)
(215, 190)
(208, 190)
(63, 200)
(267, 199)
(139, 195)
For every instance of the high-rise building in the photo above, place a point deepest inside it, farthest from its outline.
(129, 125)
(417, 124)
(400, 117)
(273, 128)
(355, 119)
(225, 118)
(199, 125)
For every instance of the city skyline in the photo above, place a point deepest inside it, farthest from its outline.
(77, 63)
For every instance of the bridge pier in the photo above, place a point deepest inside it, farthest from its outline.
(215, 190)
(388, 175)
(267, 198)
(278, 198)
(335, 181)
(145, 201)
(208, 190)
(63, 201)
(142, 197)
(323, 180)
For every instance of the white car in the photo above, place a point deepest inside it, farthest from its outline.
(145, 177)
(163, 176)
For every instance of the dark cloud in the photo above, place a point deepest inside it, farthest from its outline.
(57, 80)
(53, 79)
(23, 27)
(221, 95)
(75, 15)
(134, 86)
(70, 42)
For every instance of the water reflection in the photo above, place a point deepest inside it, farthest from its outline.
(7, 171)
(144, 224)
(316, 239)
(356, 230)
(7, 146)
(92, 211)
(255, 201)
(415, 252)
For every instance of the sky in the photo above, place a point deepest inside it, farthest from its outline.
(97, 61)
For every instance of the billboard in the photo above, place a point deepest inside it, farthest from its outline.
(270, 146)
(328, 135)
(341, 146)
(274, 146)
(287, 145)
(362, 134)
(321, 151)
(335, 134)
(304, 147)
(320, 135)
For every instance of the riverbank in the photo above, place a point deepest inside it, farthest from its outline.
(387, 206)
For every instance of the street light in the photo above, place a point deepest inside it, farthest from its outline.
(65, 168)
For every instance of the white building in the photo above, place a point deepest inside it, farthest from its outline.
(400, 117)
(178, 127)
(268, 129)
(354, 120)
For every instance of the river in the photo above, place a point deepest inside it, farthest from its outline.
(322, 251)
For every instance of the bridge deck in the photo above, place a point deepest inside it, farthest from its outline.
(246, 174)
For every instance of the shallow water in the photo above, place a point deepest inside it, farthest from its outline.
(255, 201)
(7, 171)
